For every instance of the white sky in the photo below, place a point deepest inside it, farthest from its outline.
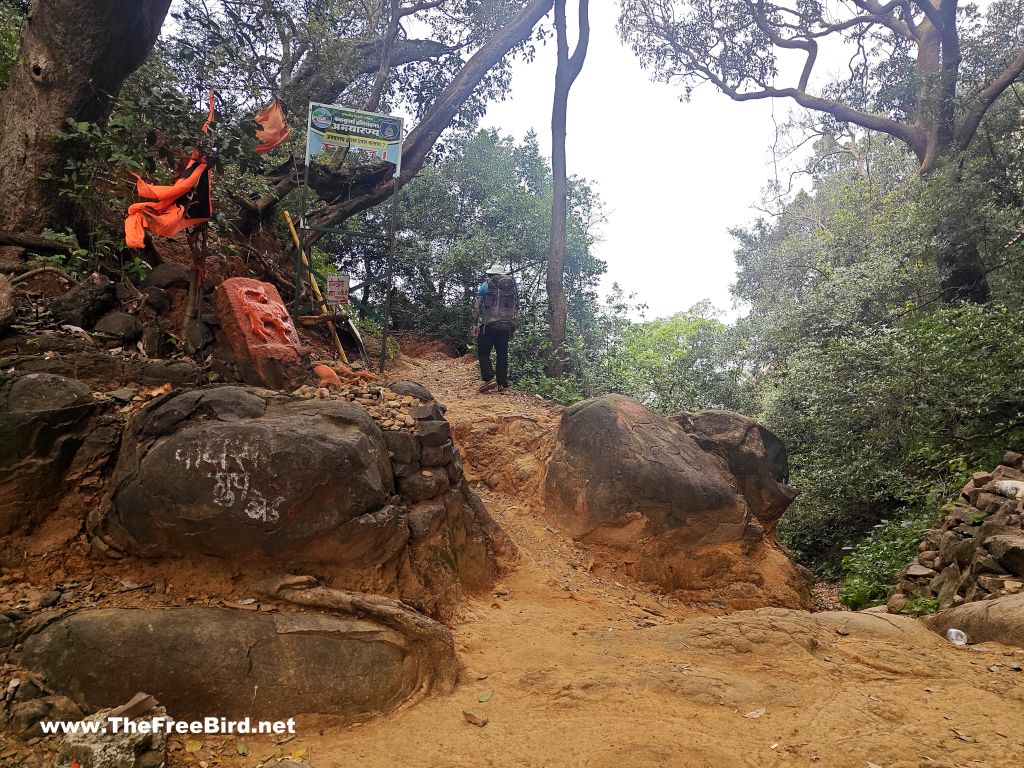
(666, 238)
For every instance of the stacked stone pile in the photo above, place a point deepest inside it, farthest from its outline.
(389, 409)
(977, 553)
(424, 459)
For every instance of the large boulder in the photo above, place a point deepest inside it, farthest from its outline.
(636, 484)
(1000, 620)
(619, 468)
(202, 661)
(260, 478)
(228, 471)
(44, 421)
(757, 459)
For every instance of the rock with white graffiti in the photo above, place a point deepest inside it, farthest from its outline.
(226, 471)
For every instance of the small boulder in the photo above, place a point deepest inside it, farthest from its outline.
(411, 388)
(7, 306)
(167, 275)
(44, 421)
(27, 715)
(1008, 551)
(433, 434)
(403, 447)
(124, 749)
(896, 603)
(437, 456)
(158, 299)
(263, 339)
(998, 620)
(84, 304)
(123, 327)
(424, 485)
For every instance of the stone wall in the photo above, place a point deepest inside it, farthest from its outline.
(977, 552)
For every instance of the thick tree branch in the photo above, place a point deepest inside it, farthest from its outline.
(387, 46)
(582, 42)
(437, 118)
(913, 136)
(985, 100)
(314, 83)
(809, 46)
(885, 15)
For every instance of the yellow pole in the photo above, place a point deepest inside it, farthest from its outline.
(316, 291)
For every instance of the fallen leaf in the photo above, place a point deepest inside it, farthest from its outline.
(193, 745)
(756, 714)
(299, 754)
(485, 696)
(149, 392)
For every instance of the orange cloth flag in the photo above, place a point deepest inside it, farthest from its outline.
(273, 130)
(183, 204)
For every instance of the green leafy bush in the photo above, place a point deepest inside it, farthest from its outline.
(887, 422)
(873, 565)
(918, 605)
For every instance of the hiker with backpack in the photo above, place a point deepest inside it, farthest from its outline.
(496, 309)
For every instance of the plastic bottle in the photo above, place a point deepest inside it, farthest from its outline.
(956, 636)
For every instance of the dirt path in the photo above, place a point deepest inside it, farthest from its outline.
(580, 668)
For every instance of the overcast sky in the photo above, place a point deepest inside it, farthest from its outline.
(669, 211)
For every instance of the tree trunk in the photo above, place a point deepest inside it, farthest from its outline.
(567, 70)
(74, 57)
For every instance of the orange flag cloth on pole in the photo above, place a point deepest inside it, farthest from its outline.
(183, 204)
(273, 130)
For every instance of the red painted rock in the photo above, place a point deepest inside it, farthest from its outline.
(261, 333)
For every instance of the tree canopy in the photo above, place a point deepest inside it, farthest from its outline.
(923, 72)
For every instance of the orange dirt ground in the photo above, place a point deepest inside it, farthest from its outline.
(578, 666)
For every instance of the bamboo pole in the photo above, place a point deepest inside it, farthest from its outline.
(316, 290)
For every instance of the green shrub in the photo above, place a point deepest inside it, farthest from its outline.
(874, 564)
(919, 605)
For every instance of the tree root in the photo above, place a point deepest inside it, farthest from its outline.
(429, 642)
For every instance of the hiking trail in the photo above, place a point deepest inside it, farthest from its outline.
(573, 665)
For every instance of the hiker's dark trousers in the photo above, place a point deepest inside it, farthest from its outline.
(497, 340)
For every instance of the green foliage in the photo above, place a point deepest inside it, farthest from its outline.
(12, 15)
(681, 362)
(875, 562)
(884, 394)
(76, 260)
(879, 419)
(919, 605)
(489, 200)
(486, 201)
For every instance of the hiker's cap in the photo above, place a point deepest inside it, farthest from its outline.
(496, 269)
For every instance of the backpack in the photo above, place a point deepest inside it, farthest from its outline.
(501, 304)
